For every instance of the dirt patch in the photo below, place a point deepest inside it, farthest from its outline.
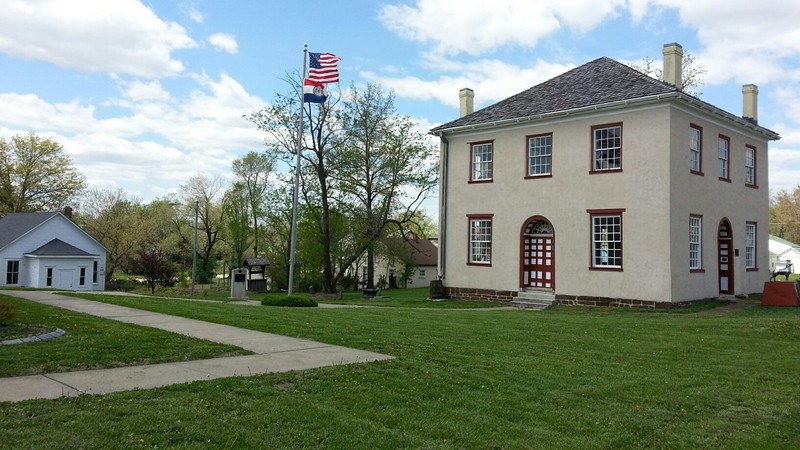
(734, 306)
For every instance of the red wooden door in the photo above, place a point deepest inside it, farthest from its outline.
(538, 256)
(725, 258)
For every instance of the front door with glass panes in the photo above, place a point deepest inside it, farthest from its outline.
(538, 255)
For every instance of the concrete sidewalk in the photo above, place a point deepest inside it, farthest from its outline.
(274, 353)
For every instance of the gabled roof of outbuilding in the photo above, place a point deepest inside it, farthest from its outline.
(57, 247)
(250, 262)
(14, 226)
(600, 83)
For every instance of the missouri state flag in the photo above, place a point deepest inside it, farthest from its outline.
(314, 92)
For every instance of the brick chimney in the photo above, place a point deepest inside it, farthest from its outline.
(750, 102)
(673, 64)
(467, 98)
(68, 212)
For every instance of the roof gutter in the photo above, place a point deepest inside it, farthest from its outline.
(445, 147)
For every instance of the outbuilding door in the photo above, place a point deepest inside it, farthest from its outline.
(538, 255)
(725, 257)
(64, 278)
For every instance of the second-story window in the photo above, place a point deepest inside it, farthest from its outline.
(482, 161)
(723, 157)
(696, 149)
(607, 148)
(540, 155)
(750, 166)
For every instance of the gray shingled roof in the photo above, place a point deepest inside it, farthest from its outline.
(250, 262)
(14, 226)
(599, 82)
(57, 247)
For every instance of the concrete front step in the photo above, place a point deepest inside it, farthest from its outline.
(534, 299)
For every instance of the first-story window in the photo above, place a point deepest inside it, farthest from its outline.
(607, 148)
(540, 155)
(82, 279)
(606, 239)
(49, 281)
(482, 157)
(750, 245)
(94, 272)
(12, 272)
(480, 239)
(695, 242)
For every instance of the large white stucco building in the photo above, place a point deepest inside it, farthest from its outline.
(605, 186)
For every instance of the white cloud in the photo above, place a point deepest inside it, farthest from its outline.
(492, 80)
(224, 42)
(159, 139)
(120, 36)
(190, 10)
(477, 26)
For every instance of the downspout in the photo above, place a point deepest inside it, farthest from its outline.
(445, 146)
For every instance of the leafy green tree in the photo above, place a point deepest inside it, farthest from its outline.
(36, 175)
(385, 170)
(280, 121)
(236, 220)
(252, 178)
(785, 215)
(200, 198)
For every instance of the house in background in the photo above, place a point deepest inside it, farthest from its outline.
(421, 253)
(604, 186)
(781, 250)
(47, 250)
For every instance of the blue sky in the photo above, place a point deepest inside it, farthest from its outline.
(145, 94)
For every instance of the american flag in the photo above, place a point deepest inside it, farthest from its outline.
(322, 67)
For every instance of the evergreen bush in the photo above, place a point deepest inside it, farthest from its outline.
(289, 300)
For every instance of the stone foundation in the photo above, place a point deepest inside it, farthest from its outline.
(492, 295)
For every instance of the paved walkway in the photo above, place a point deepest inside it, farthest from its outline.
(274, 353)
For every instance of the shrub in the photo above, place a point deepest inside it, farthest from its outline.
(8, 312)
(288, 300)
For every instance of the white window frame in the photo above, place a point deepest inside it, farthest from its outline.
(750, 229)
(750, 165)
(480, 240)
(695, 242)
(540, 155)
(607, 148)
(695, 149)
(482, 164)
(606, 243)
(723, 157)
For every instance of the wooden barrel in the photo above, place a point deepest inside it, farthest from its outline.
(436, 290)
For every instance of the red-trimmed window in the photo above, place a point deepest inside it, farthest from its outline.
(695, 242)
(750, 166)
(540, 155)
(723, 158)
(606, 238)
(695, 149)
(607, 148)
(480, 239)
(482, 159)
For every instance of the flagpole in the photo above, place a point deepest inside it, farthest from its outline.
(293, 245)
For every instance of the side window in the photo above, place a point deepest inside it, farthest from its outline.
(750, 245)
(49, 280)
(750, 166)
(482, 161)
(540, 155)
(723, 157)
(695, 242)
(607, 148)
(696, 149)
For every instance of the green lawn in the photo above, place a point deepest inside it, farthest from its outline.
(561, 378)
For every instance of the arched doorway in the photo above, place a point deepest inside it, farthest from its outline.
(725, 257)
(537, 262)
